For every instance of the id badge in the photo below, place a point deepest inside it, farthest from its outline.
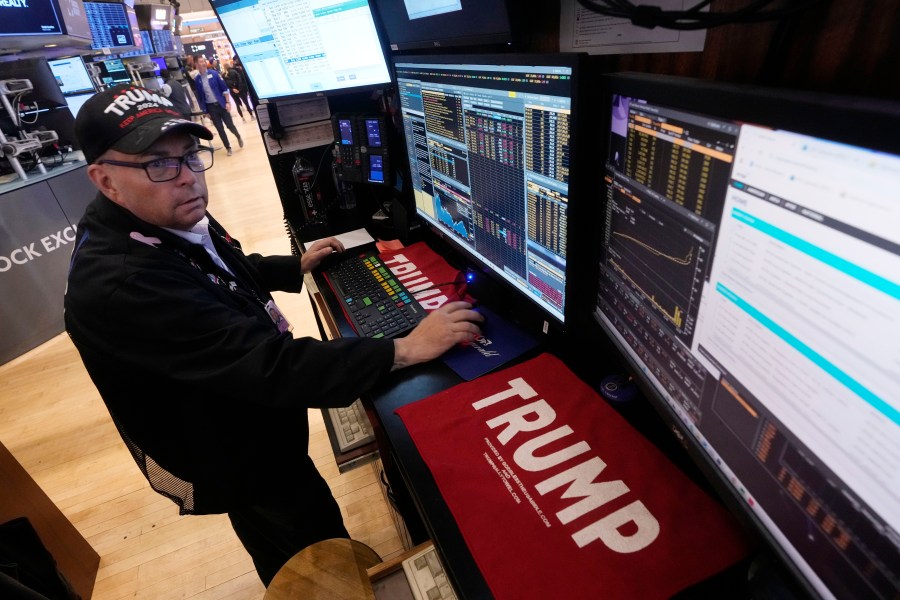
(281, 323)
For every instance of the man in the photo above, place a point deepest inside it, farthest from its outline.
(213, 97)
(179, 332)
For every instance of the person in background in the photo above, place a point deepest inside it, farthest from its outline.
(234, 77)
(237, 64)
(213, 97)
(174, 91)
(177, 328)
(190, 66)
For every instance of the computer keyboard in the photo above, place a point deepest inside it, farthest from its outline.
(352, 426)
(426, 576)
(375, 302)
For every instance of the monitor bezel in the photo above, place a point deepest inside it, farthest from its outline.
(857, 121)
(520, 305)
(470, 14)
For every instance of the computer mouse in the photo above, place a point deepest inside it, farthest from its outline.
(331, 260)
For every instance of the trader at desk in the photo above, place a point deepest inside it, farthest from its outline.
(173, 322)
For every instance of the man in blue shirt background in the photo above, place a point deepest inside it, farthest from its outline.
(213, 97)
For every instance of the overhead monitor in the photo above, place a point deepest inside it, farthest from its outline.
(147, 41)
(162, 40)
(750, 275)
(311, 48)
(110, 26)
(490, 140)
(135, 30)
(419, 24)
(155, 16)
(35, 17)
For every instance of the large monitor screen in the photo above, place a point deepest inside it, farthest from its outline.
(72, 76)
(314, 47)
(489, 142)
(750, 273)
(35, 17)
(416, 24)
(110, 25)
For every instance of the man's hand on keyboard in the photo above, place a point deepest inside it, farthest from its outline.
(454, 323)
(319, 251)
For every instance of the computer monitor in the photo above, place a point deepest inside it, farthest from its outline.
(113, 72)
(147, 41)
(111, 25)
(489, 141)
(72, 76)
(160, 63)
(415, 24)
(162, 40)
(750, 276)
(311, 49)
(39, 17)
(155, 16)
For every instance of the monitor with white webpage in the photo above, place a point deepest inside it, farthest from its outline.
(749, 274)
(305, 49)
(72, 75)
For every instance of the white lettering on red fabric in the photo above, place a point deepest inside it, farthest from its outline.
(628, 529)
(418, 285)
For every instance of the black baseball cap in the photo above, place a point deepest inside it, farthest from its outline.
(129, 118)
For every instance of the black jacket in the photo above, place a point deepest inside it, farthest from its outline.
(179, 98)
(235, 80)
(210, 398)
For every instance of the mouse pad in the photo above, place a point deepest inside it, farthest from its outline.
(500, 342)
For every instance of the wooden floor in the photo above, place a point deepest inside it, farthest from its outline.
(53, 421)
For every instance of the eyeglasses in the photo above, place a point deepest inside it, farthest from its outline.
(169, 167)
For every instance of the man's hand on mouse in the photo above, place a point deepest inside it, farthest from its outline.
(453, 323)
(319, 251)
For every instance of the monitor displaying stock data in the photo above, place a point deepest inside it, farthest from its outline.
(489, 142)
(750, 274)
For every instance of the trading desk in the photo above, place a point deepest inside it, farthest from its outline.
(398, 452)
(419, 500)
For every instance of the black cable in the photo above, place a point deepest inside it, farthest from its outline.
(319, 168)
(649, 16)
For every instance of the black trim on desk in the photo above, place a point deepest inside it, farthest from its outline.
(406, 386)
